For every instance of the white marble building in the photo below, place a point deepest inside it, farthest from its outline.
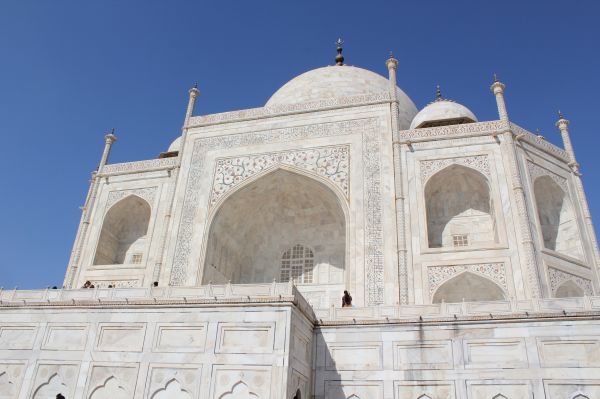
(218, 268)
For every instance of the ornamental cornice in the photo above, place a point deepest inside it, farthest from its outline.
(289, 109)
(451, 131)
(538, 142)
(139, 166)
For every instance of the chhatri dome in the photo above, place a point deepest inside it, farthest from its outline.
(337, 81)
(442, 112)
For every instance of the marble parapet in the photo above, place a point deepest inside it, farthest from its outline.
(240, 294)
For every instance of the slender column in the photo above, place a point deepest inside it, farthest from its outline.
(392, 65)
(498, 90)
(87, 208)
(523, 226)
(193, 94)
(563, 126)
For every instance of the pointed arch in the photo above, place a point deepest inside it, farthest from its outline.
(580, 396)
(469, 287)
(288, 207)
(424, 396)
(569, 289)
(557, 217)
(171, 390)
(110, 389)
(499, 396)
(123, 235)
(239, 390)
(459, 208)
(298, 394)
(51, 387)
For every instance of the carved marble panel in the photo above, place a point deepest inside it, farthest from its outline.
(572, 389)
(147, 193)
(331, 162)
(569, 351)
(478, 162)
(558, 277)
(536, 171)
(437, 275)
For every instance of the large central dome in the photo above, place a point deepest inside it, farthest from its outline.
(336, 82)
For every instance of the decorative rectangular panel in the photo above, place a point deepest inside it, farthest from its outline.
(17, 336)
(495, 353)
(65, 337)
(180, 337)
(121, 337)
(569, 351)
(245, 337)
(570, 389)
(359, 356)
(423, 355)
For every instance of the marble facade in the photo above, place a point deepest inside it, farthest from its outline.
(468, 248)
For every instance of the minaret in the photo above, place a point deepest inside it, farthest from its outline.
(522, 214)
(498, 90)
(109, 139)
(563, 126)
(392, 65)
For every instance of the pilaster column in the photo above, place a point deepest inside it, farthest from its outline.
(563, 126)
(109, 139)
(392, 65)
(516, 181)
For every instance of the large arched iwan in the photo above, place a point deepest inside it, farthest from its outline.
(255, 225)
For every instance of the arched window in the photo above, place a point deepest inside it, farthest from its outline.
(557, 217)
(123, 235)
(298, 394)
(459, 209)
(297, 265)
(568, 289)
(469, 287)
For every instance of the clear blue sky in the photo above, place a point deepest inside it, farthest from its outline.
(71, 70)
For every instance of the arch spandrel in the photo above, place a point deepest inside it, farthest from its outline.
(468, 287)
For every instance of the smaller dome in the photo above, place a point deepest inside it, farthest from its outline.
(442, 112)
(175, 145)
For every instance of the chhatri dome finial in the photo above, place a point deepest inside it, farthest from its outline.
(438, 93)
(560, 115)
(339, 58)
(495, 77)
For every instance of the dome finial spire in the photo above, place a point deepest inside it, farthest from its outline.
(438, 93)
(339, 58)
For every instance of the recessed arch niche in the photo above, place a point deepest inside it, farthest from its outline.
(469, 287)
(557, 218)
(459, 209)
(257, 224)
(123, 235)
(568, 289)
